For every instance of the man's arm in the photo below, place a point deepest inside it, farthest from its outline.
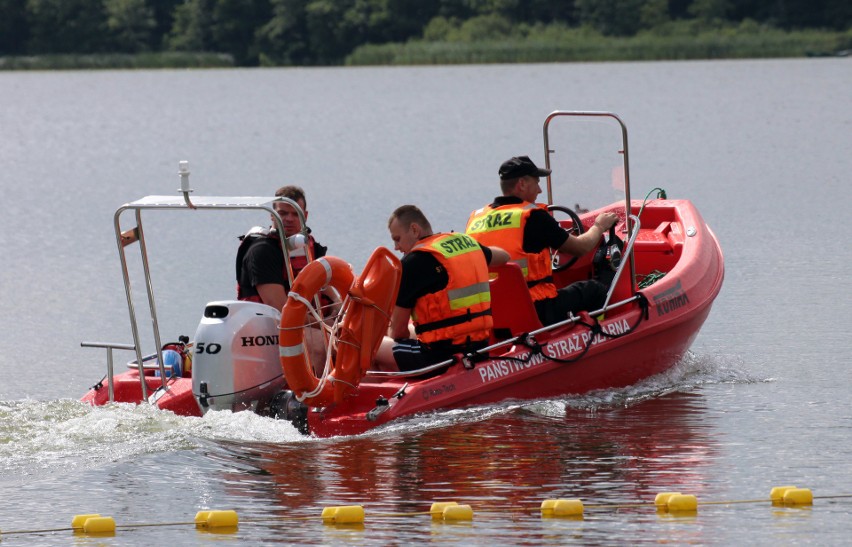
(399, 323)
(584, 243)
(498, 256)
(272, 294)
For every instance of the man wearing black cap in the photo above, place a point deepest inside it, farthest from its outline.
(528, 232)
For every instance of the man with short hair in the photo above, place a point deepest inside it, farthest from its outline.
(261, 275)
(443, 289)
(528, 232)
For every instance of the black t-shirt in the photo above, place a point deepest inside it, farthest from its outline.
(422, 274)
(263, 263)
(541, 231)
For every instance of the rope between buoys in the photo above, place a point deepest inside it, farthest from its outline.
(480, 513)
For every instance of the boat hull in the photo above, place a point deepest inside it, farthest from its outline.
(175, 396)
(641, 341)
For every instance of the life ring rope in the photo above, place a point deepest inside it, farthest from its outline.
(353, 336)
(331, 343)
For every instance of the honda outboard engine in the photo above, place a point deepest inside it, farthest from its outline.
(236, 364)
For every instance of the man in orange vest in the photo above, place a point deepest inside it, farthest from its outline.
(528, 232)
(443, 289)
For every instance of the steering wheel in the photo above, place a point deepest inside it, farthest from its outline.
(575, 230)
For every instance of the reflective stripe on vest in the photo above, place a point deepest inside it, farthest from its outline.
(461, 312)
(471, 295)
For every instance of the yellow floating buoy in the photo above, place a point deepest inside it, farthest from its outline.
(349, 514)
(328, 514)
(99, 525)
(222, 519)
(217, 519)
(799, 496)
(344, 514)
(78, 520)
(776, 495)
(437, 509)
(458, 512)
(682, 503)
(201, 518)
(547, 507)
(568, 508)
(662, 499)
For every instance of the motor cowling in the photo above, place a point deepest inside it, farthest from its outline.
(236, 364)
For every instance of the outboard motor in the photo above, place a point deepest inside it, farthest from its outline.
(236, 363)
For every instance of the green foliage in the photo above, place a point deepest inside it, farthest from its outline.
(13, 26)
(327, 32)
(611, 17)
(709, 10)
(191, 29)
(118, 60)
(654, 13)
(484, 27)
(66, 26)
(233, 26)
(440, 29)
(283, 40)
(131, 24)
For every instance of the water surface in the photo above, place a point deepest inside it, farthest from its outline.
(762, 400)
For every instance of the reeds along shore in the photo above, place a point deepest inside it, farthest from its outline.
(579, 46)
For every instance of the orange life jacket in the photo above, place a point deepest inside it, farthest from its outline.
(461, 311)
(504, 227)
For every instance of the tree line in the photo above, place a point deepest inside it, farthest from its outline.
(325, 32)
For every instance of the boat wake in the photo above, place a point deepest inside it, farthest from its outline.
(37, 437)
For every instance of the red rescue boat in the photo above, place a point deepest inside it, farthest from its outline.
(665, 262)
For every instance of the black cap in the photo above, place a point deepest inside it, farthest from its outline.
(521, 166)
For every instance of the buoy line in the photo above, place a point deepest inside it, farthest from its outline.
(671, 503)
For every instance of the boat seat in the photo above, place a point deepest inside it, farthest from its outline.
(511, 306)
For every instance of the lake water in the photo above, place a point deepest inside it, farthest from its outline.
(761, 147)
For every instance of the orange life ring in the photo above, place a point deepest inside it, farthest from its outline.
(323, 272)
(364, 324)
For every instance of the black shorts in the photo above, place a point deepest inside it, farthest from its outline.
(587, 295)
(414, 355)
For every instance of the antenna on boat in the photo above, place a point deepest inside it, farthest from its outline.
(183, 171)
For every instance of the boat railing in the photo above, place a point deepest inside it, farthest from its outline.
(483, 353)
(110, 369)
(625, 158)
(626, 258)
(125, 237)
